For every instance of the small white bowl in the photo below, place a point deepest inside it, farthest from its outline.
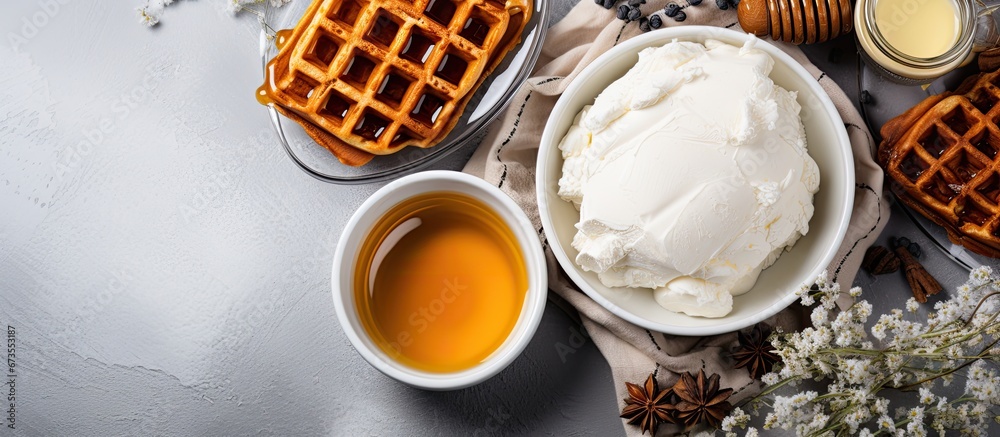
(360, 225)
(828, 144)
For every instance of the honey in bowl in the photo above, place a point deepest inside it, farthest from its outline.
(440, 282)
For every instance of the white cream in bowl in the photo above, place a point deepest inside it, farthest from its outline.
(691, 175)
(828, 145)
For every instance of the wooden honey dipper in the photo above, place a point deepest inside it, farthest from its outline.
(796, 21)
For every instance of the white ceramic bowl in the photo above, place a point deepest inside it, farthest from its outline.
(360, 225)
(827, 142)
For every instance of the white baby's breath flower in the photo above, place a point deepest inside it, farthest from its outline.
(822, 279)
(942, 403)
(818, 422)
(880, 406)
(805, 297)
(829, 299)
(886, 423)
(916, 429)
(912, 305)
(147, 16)
(980, 276)
(740, 417)
(841, 321)
(732, 421)
(939, 426)
(926, 397)
(856, 370)
(878, 329)
(820, 316)
(771, 420)
(862, 310)
(728, 424)
(954, 351)
(234, 6)
(945, 312)
(855, 418)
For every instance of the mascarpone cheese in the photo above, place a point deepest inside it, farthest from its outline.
(691, 175)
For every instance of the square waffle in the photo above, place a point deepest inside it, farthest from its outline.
(369, 78)
(942, 158)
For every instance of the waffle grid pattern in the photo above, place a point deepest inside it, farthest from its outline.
(949, 160)
(383, 75)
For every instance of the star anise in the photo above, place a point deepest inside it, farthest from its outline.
(755, 352)
(647, 406)
(701, 400)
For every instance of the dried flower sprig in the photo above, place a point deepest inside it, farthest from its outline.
(897, 354)
(151, 11)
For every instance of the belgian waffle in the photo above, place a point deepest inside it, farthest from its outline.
(942, 157)
(382, 75)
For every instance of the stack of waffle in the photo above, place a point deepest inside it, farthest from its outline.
(370, 78)
(942, 158)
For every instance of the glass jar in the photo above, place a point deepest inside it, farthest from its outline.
(976, 30)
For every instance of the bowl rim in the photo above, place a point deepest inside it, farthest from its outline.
(662, 36)
(440, 151)
(534, 259)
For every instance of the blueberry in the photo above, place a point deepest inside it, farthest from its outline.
(655, 22)
(681, 16)
(622, 12)
(599, 2)
(634, 14)
(866, 97)
(644, 24)
(608, 4)
(636, 3)
(903, 241)
(914, 249)
(722, 4)
(735, 3)
(834, 56)
(671, 9)
(694, 2)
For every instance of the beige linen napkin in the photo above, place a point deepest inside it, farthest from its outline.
(507, 155)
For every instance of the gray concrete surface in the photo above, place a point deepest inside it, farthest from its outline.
(165, 267)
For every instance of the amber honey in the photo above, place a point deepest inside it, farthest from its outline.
(440, 282)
